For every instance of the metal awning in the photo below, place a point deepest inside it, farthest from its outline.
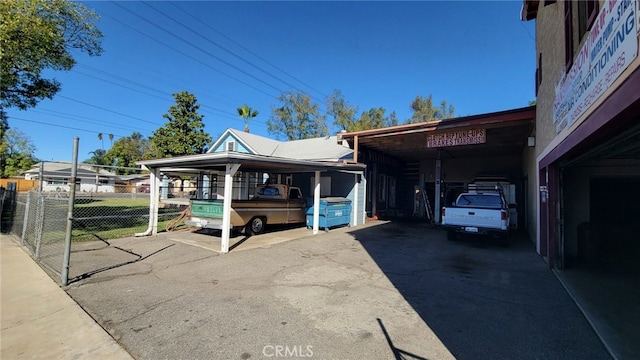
(506, 132)
(230, 163)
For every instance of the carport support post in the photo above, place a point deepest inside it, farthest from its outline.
(316, 203)
(226, 206)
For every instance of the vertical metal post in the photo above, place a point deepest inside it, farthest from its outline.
(354, 208)
(39, 225)
(316, 203)
(72, 198)
(26, 217)
(231, 169)
(40, 174)
(438, 181)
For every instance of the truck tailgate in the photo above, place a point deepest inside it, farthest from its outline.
(481, 218)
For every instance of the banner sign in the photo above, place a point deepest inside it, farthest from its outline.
(455, 138)
(610, 47)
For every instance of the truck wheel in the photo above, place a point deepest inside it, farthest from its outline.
(452, 235)
(256, 226)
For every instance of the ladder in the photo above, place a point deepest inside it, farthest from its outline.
(427, 206)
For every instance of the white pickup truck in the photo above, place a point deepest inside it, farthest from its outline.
(478, 212)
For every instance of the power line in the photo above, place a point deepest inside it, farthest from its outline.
(247, 50)
(127, 87)
(203, 50)
(178, 51)
(222, 47)
(83, 118)
(111, 111)
(61, 126)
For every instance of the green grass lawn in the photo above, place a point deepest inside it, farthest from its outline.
(112, 218)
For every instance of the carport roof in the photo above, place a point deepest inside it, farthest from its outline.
(506, 133)
(249, 162)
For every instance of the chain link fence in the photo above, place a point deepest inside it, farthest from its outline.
(107, 206)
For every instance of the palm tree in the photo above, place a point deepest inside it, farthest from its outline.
(100, 138)
(111, 139)
(247, 113)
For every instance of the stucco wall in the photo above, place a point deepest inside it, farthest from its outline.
(550, 43)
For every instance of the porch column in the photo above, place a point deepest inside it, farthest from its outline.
(354, 208)
(316, 203)
(436, 202)
(226, 206)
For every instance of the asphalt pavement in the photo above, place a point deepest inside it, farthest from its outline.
(385, 290)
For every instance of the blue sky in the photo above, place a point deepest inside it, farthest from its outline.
(477, 55)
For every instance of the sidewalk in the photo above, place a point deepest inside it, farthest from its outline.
(39, 320)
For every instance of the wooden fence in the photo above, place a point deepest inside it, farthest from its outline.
(21, 184)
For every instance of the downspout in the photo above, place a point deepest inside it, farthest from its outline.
(153, 203)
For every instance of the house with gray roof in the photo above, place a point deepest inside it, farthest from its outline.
(322, 149)
(328, 148)
(55, 176)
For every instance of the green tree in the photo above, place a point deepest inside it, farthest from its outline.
(297, 118)
(393, 119)
(344, 115)
(424, 110)
(97, 157)
(4, 127)
(375, 118)
(247, 113)
(183, 134)
(126, 151)
(19, 153)
(36, 35)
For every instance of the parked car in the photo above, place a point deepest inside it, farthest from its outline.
(144, 188)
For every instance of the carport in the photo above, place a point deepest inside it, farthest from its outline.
(229, 163)
(448, 153)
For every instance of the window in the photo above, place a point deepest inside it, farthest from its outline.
(587, 11)
(52, 181)
(568, 36)
(294, 194)
(231, 146)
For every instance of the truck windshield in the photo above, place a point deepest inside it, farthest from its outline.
(489, 201)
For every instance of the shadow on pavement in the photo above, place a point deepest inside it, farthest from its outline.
(482, 300)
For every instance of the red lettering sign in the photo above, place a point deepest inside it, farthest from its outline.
(456, 138)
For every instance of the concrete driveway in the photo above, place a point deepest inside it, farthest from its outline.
(379, 291)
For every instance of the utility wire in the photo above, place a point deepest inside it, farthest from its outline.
(207, 52)
(247, 50)
(178, 51)
(84, 119)
(223, 48)
(111, 111)
(62, 126)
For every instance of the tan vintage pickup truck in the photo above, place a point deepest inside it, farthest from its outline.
(271, 204)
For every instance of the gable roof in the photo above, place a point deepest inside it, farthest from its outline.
(255, 143)
(322, 148)
(63, 170)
